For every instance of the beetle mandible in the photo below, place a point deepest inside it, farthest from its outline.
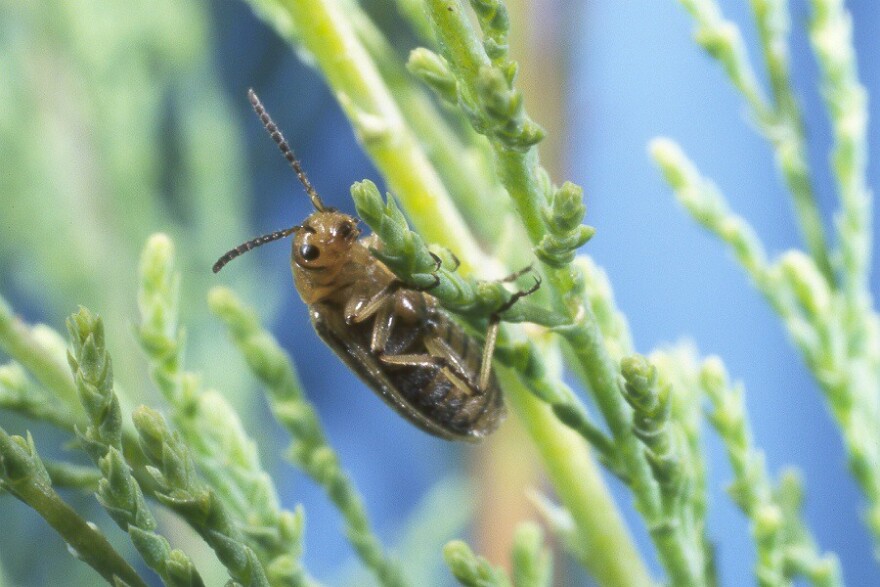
(394, 336)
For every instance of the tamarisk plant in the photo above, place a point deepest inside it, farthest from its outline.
(309, 449)
(531, 562)
(118, 491)
(652, 447)
(472, 190)
(822, 294)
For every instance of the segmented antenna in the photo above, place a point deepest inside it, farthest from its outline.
(252, 244)
(276, 135)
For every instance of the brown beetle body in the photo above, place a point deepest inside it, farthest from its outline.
(396, 338)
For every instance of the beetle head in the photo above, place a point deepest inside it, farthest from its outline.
(323, 241)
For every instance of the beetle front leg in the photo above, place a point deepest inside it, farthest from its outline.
(356, 310)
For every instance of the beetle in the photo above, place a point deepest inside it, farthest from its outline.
(394, 336)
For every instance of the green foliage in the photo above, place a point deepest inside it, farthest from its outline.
(203, 467)
(118, 491)
(779, 533)
(309, 450)
(827, 308)
(181, 489)
(23, 474)
(531, 562)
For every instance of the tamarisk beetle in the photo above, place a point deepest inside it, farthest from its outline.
(394, 336)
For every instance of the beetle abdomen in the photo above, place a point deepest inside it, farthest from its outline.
(441, 395)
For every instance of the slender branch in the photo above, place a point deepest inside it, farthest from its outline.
(23, 474)
(531, 562)
(182, 490)
(71, 476)
(785, 547)
(117, 490)
(20, 394)
(310, 449)
(779, 119)
(328, 35)
(22, 343)
(786, 130)
(673, 525)
(602, 543)
(817, 318)
(226, 455)
(847, 102)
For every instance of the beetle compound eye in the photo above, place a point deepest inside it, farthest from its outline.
(309, 252)
(344, 229)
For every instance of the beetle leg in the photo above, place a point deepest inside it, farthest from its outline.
(517, 274)
(437, 263)
(357, 315)
(488, 352)
(382, 326)
(494, 324)
(440, 348)
(423, 360)
(517, 295)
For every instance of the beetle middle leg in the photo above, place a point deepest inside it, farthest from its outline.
(356, 315)
(495, 322)
(446, 356)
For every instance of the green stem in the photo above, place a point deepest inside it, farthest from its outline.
(847, 102)
(89, 544)
(20, 394)
(786, 130)
(779, 122)
(19, 476)
(328, 35)
(21, 343)
(605, 546)
(72, 476)
(471, 186)
(722, 40)
(18, 341)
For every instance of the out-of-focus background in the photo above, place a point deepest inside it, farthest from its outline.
(118, 120)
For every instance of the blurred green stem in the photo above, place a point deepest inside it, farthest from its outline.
(779, 119)
(786, 130)
(328, 35)
(472, 187)
(604, 544)
(23, 474)
(71, 476)
(18, 341)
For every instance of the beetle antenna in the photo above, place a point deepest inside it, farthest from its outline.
(252, 244)
(276, 135)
